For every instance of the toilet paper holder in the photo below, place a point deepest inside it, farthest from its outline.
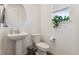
(54, 39)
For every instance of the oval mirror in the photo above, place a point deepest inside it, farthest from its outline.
(15, 15)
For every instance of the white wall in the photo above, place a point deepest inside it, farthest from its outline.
(32, 24)
(8, 46)
(66, 34)
(46, 25)
(75, 21)
(65, 43)
(1, 41)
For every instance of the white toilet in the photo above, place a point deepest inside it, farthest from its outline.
(42, 46)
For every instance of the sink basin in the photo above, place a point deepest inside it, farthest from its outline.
(17, 36)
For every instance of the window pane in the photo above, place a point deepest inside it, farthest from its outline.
(62, 12)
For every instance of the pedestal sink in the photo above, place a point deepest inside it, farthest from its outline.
(18, 37)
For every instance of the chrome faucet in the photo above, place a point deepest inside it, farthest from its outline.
(13, 30)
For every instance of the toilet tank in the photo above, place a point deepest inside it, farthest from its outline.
(36, 37)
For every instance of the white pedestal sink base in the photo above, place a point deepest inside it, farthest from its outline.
(18, 37)
(18, 48)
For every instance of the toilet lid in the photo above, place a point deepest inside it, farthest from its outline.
(42, 45)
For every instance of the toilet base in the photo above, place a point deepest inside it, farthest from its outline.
(39, 52)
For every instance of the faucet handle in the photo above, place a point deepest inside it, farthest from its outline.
(11, 30)
(17, 30)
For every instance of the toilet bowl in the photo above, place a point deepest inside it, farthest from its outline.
(42, 47)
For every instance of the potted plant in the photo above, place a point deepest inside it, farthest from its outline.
(58, 19)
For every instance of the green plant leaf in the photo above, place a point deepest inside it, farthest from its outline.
(57, 19)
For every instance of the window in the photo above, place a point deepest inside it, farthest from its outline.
(62, 12)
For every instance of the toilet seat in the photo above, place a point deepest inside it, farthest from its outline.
(42, 45)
